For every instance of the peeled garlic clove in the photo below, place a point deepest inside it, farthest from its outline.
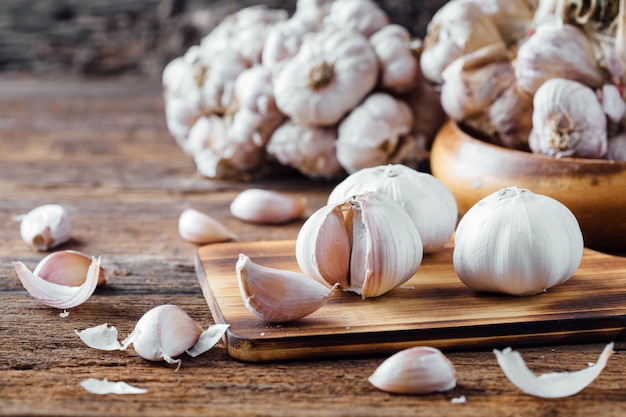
(277, 295)
(256, 205)
(568, 120)
(197, 227)
(517, 242)
(67, 267)
(57, 295)
(46, 226)
(552, 385)
(417, 370)
(430, 205)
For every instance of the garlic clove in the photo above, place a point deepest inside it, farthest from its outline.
(46, 226)
(256, 205)
(277, 295)
(57, 295)
(67, 267)
(197, 227)
(416, 370)
(551, 385)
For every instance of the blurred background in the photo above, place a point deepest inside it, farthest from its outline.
(114, 37)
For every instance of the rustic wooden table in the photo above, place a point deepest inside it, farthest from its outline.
(101, 148)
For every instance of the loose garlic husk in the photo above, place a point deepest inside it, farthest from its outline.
(256, 205)
(416, 370)
(46, 226)
(162, 333)
(279, 296)
(197, 227)
(568, 120)
(517, 242)
(367, 245)
(62, 280)
(430, 205)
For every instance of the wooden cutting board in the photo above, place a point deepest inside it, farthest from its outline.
(433, 308)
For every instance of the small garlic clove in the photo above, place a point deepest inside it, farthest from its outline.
(46, 226)
(197, 227)
(416, 370)
(57, 295)
(256, 205)
(277, 295)
(551, 385)
(67, 267)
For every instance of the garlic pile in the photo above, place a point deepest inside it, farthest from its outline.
(516, 242)
(541, 76)
(334, 88)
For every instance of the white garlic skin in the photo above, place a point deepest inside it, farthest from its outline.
(416, 370)
(429, 203)
(517, 242)
(257, 205)
(568, 120)
(46, 227)
(165, 332)
(364, 16)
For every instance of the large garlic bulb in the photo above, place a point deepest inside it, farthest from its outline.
(366, 244)
(428, 202)
(517, 242)
(568, 120)
(364, 16)
(332, 72)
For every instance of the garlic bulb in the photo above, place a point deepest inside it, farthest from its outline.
(364, 16)
(284, 39)
(46, 226)
(309, 149)
(556, 50)
(456, 29)
(516, 242)
(613, 104)
(616, 150)
(279, 296)
(366, 244)
(256, 205)
(162, 333)
(372, 132)
(510, 118)
(513, 18)
(197, 227)
(416, 370)
(398, 59)
(430, 205)
(330, 74)
(568, 120)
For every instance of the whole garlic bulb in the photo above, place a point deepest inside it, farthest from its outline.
(517, 242)
(330, 74)
(372, 132)
(430, 205)
(364, 16)
(568, 120)
(366, 244)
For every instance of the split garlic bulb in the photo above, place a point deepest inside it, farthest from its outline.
(366, 244)
(517, 242)
(430, 205)
(568, 120)
(46, 226)
(330, 74)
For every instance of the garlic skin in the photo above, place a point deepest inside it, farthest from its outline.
(59, 295)
(279, 296)
(197, 227)
(46, 227)
(517, 242)
(330, 74)
(67, 267)
(256, 205)
(309, 149)
(556, 50)
(364, 16)
(416, 370)
(551, 385)
(373, 131)
(367, 245)
(430, 205)
(568, 120)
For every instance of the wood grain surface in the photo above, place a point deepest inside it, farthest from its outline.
(101, 148)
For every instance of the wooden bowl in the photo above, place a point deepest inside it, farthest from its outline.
(593, 189)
